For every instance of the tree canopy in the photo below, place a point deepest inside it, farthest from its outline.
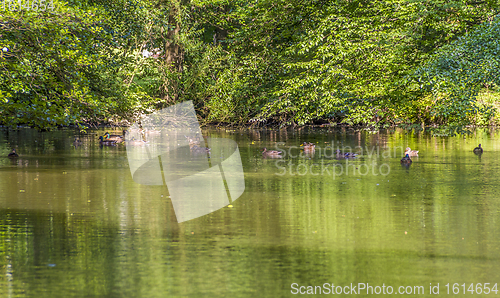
(375, 63)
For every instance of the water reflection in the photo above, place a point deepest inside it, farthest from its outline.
(200, 179)
(73, 221)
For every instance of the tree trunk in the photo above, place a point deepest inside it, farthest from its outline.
(173, 51)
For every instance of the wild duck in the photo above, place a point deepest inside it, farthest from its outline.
(406, 159)
(152, 132)
(411, 152)
(197, 149)
(105, 142)
(271, 153)
(345, 155)
(116, 138)
(134, 142)
(192, 143)
(13, 154)
(308, 146)
(478, 150)
(350, 155)
(194, 146)
(77, 142)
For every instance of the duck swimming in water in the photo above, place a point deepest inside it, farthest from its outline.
(345, 155)
(308, 147)
(115, 138)
(271, 153)
(77, 142)
(478, 150)
(411, 152)
(406, 160)
(134, 142)
(13, 154)
(105, 142)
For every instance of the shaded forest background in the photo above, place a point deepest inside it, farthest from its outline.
(410, 63)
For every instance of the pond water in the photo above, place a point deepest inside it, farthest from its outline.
(74, 223)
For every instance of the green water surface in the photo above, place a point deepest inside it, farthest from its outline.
(73, 223)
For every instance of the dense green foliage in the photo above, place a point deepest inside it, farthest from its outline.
(63, 67)
(281, 62)
(459, 71)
